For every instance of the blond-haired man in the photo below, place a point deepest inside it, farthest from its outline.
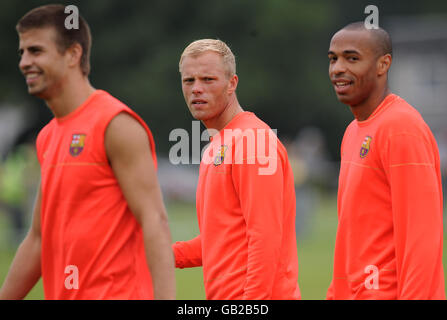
(245, 195)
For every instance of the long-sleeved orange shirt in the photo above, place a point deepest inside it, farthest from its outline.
(246, 213)
(390, 233)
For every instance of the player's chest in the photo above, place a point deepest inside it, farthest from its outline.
(73, 146)
(216, 167)
(361, 158)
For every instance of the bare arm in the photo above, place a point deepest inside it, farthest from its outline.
(25, 269)
(128, 150)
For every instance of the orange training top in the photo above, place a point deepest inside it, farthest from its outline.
(390, 234)
(246, 213)
(92, 246)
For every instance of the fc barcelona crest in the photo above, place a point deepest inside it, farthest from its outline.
(366, 145)
(218, 160)
(77, 144)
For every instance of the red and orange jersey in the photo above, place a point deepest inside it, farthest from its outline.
(92, 246)
(390, 229)
(246, 213)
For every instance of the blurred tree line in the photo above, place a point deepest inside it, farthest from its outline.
(280, 47)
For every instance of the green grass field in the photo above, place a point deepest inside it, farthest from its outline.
(315, 252)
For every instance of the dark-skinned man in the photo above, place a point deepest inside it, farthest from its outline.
(390, 234)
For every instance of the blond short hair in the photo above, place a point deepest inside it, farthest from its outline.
(199, 47)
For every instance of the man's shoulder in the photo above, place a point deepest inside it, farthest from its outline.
(102, 109)
(247, 123)
(402, 110)
(106, 100)
(403, 116)
(402, 119)
(252, 121)
(250, 133)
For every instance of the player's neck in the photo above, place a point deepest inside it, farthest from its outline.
(219, 122)
(364, 110)
(70, 96)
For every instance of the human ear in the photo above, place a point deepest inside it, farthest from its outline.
(233, 84)
(74, 54)
(384, 64)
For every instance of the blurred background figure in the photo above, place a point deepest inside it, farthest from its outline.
(442, 145)
(177, 182)
(18, 170)
(419, 71)
(314, 174)
(18, 180)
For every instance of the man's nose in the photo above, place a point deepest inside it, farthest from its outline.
(337, 67)
(25, 61)
(197, 87)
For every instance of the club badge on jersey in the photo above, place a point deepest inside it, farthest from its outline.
(366, 145)
(218, 160)
(77, 144)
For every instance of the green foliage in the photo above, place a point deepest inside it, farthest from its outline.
(280, 46)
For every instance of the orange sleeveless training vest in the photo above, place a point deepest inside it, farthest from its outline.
(92, 246)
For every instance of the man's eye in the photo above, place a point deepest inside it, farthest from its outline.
(353, 58)
(332, 59)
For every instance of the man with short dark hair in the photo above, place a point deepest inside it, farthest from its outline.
(99, 227)
(390, 234)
